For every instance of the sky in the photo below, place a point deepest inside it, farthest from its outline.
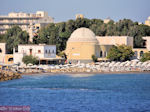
(63, 10)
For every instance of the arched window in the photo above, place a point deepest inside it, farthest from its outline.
(141, 53)
(49, 51)
(0, 50)
(101, 54)
(105, 53)
(10, 59)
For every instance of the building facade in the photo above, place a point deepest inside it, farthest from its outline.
(138, 52)
(83, 43)
(41, 51)
(27, 21)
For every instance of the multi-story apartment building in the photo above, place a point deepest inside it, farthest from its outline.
(27, 21)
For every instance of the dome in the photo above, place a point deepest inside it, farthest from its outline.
(82, 35)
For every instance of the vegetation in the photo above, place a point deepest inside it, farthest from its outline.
(30, 59)
(15, 36)
(2, 38)
(145, 57)
(63, 55)
(120, 53)
(60, 32)
(94, 58)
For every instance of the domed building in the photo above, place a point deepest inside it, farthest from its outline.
(83, 43)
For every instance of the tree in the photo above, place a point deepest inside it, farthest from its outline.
(30, 59)
(62, 54)
(120, 53)
(15, 36)
(59, 33)
(47, 35)
(82, 22)
(2, 38)
(145, 57)
(94, 58)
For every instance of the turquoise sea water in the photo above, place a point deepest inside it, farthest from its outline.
(65, 93)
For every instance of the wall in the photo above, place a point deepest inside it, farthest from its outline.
(18, 58)
(147, 42)
(26, 49)
(51, 51)
(7, 57)
(137, 52)
(115, 40)
(81, 50)
(2, 52)
(38, 51)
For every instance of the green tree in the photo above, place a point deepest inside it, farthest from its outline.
(62, 54)
(15, 36)
(47, 35)
(2, 38)
(30, 59)
(145, 57)
(60, 32)
(120, 53)
(82, 22)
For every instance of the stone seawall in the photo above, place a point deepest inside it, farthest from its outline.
(9, 75)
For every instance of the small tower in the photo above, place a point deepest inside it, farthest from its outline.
(79, 16)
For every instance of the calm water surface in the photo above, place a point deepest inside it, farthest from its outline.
(65, 93)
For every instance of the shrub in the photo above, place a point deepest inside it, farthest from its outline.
(94, 58)
(30, 59)
(145, 57)
(120, 53)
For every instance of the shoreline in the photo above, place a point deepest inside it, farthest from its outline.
(74, 73)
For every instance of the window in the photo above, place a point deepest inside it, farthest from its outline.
(53, 51)
(46, 51)
(141, 53)
(10, 59)
(101, 54)
(0, 50)
(30, 51)
(49, 51)
(105, 53)
(39, 51)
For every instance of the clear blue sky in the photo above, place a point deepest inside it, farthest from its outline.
(63, 10)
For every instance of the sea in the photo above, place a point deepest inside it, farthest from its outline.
(79, 92)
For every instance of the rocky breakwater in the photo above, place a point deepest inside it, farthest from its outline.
(9, 75)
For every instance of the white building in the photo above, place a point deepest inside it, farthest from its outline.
(44, 53)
